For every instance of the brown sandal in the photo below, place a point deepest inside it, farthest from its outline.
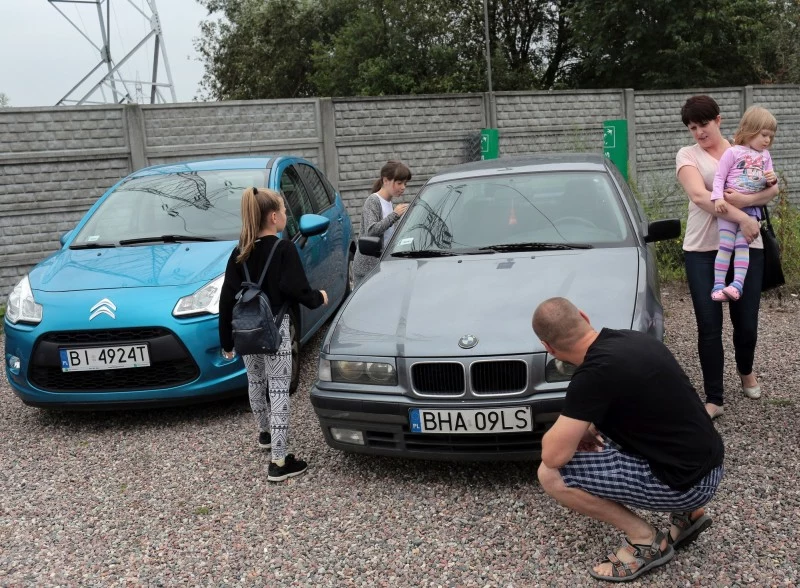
(646, 557)
(689, 529)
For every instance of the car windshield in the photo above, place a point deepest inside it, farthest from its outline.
(188, 206)
(526, 211)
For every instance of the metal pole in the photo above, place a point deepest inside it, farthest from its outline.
(488, 47)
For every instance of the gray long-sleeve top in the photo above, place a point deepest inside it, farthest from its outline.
(373, 225)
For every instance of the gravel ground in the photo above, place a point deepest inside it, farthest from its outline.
(180, 497)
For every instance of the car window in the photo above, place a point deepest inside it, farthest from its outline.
(296, 197)
(320, 199)
(544, 207)
(201, 204)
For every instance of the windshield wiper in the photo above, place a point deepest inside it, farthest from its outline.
(93, 245)
(165, 239)
(537, 246)
(424, 253)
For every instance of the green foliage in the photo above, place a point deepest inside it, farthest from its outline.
(2, 310)
(785, 219)
(656, 203)
(295, 48)
(4, 100)
(667, 44)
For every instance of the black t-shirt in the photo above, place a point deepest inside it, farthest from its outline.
(633, 390)
(285, 282)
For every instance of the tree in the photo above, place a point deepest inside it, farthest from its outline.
(665, 44)
(4, 100)
(260, 49)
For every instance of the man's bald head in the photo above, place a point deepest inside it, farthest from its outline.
(559, 323)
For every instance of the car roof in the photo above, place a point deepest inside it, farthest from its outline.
(524, 164)
(219, 163)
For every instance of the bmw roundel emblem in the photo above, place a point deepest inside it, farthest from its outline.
(468, 341)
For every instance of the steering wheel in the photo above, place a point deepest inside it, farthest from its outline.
(576, 220)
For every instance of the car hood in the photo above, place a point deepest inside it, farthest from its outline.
(422, 308)
(172, 264)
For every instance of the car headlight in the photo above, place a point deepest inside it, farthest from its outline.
(558, 371)
(22, 308)
(358, 372)
(203, 301)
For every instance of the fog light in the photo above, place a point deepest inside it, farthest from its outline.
(14, 364)
(348, 436)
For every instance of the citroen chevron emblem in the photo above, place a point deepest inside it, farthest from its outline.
(105, 306)
(468, 341)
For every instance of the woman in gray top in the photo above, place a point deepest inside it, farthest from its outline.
(378, 215)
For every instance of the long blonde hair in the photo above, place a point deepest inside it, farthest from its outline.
(754, 120)
(257, 205)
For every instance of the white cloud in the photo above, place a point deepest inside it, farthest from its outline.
(42, 56)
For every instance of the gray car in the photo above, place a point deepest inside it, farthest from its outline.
(433, 355)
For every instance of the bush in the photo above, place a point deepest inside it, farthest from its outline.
(785, 218)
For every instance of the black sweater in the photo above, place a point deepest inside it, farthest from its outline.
(285, 282)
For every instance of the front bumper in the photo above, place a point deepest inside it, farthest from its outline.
(383, 420)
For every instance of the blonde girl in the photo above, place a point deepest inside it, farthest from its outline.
(263, 218)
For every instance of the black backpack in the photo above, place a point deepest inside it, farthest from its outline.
(255, 329)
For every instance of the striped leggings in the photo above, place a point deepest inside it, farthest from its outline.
(731, 242)
(272, 374)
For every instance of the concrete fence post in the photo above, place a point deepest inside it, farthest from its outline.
(330, 156)
(629, 112)
(137, 143)
(748, 98)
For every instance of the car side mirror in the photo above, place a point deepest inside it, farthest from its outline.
(313, 224)
(64, 238)
(370, 246)
(661, 230)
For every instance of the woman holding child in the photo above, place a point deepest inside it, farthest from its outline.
(696, 167)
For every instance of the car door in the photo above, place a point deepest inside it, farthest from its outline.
(336, 250)
(313, 253)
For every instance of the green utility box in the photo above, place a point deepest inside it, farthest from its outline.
(615, 143)
(490, 144)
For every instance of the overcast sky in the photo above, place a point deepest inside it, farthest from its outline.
(42, 56)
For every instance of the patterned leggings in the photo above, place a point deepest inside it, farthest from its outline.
(272, 374)
(731, 242)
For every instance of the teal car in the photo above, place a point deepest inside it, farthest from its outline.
(125, 314)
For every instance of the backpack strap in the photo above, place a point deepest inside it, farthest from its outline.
(264, 272)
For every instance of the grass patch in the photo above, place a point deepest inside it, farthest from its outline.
(780, 401)
(202, 510)
(2, 310)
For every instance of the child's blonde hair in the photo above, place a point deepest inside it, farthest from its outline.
(754, 120)
(257, 204)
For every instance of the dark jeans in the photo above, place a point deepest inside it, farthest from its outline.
(743, 313)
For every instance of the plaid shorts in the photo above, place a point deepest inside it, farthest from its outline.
(627, 479)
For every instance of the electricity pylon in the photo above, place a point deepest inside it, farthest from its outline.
(112, 79)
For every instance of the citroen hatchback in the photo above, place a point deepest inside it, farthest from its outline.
(126, 312)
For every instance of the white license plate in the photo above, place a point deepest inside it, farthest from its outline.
(105, 358)
(483, 420)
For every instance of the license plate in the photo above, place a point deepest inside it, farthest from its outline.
(104, 358)
(482, 420)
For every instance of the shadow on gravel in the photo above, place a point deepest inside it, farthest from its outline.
(156, 417)
(392, 470)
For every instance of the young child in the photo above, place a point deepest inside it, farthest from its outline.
(263, 217)
(747, 168)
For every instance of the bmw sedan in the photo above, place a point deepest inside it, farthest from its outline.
(126, 312)
(433, 356)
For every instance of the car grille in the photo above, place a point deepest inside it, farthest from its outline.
(509, 444)
(170, 363)
(498, 377)
(438, 378)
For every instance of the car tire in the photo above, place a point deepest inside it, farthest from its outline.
(295, 338)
